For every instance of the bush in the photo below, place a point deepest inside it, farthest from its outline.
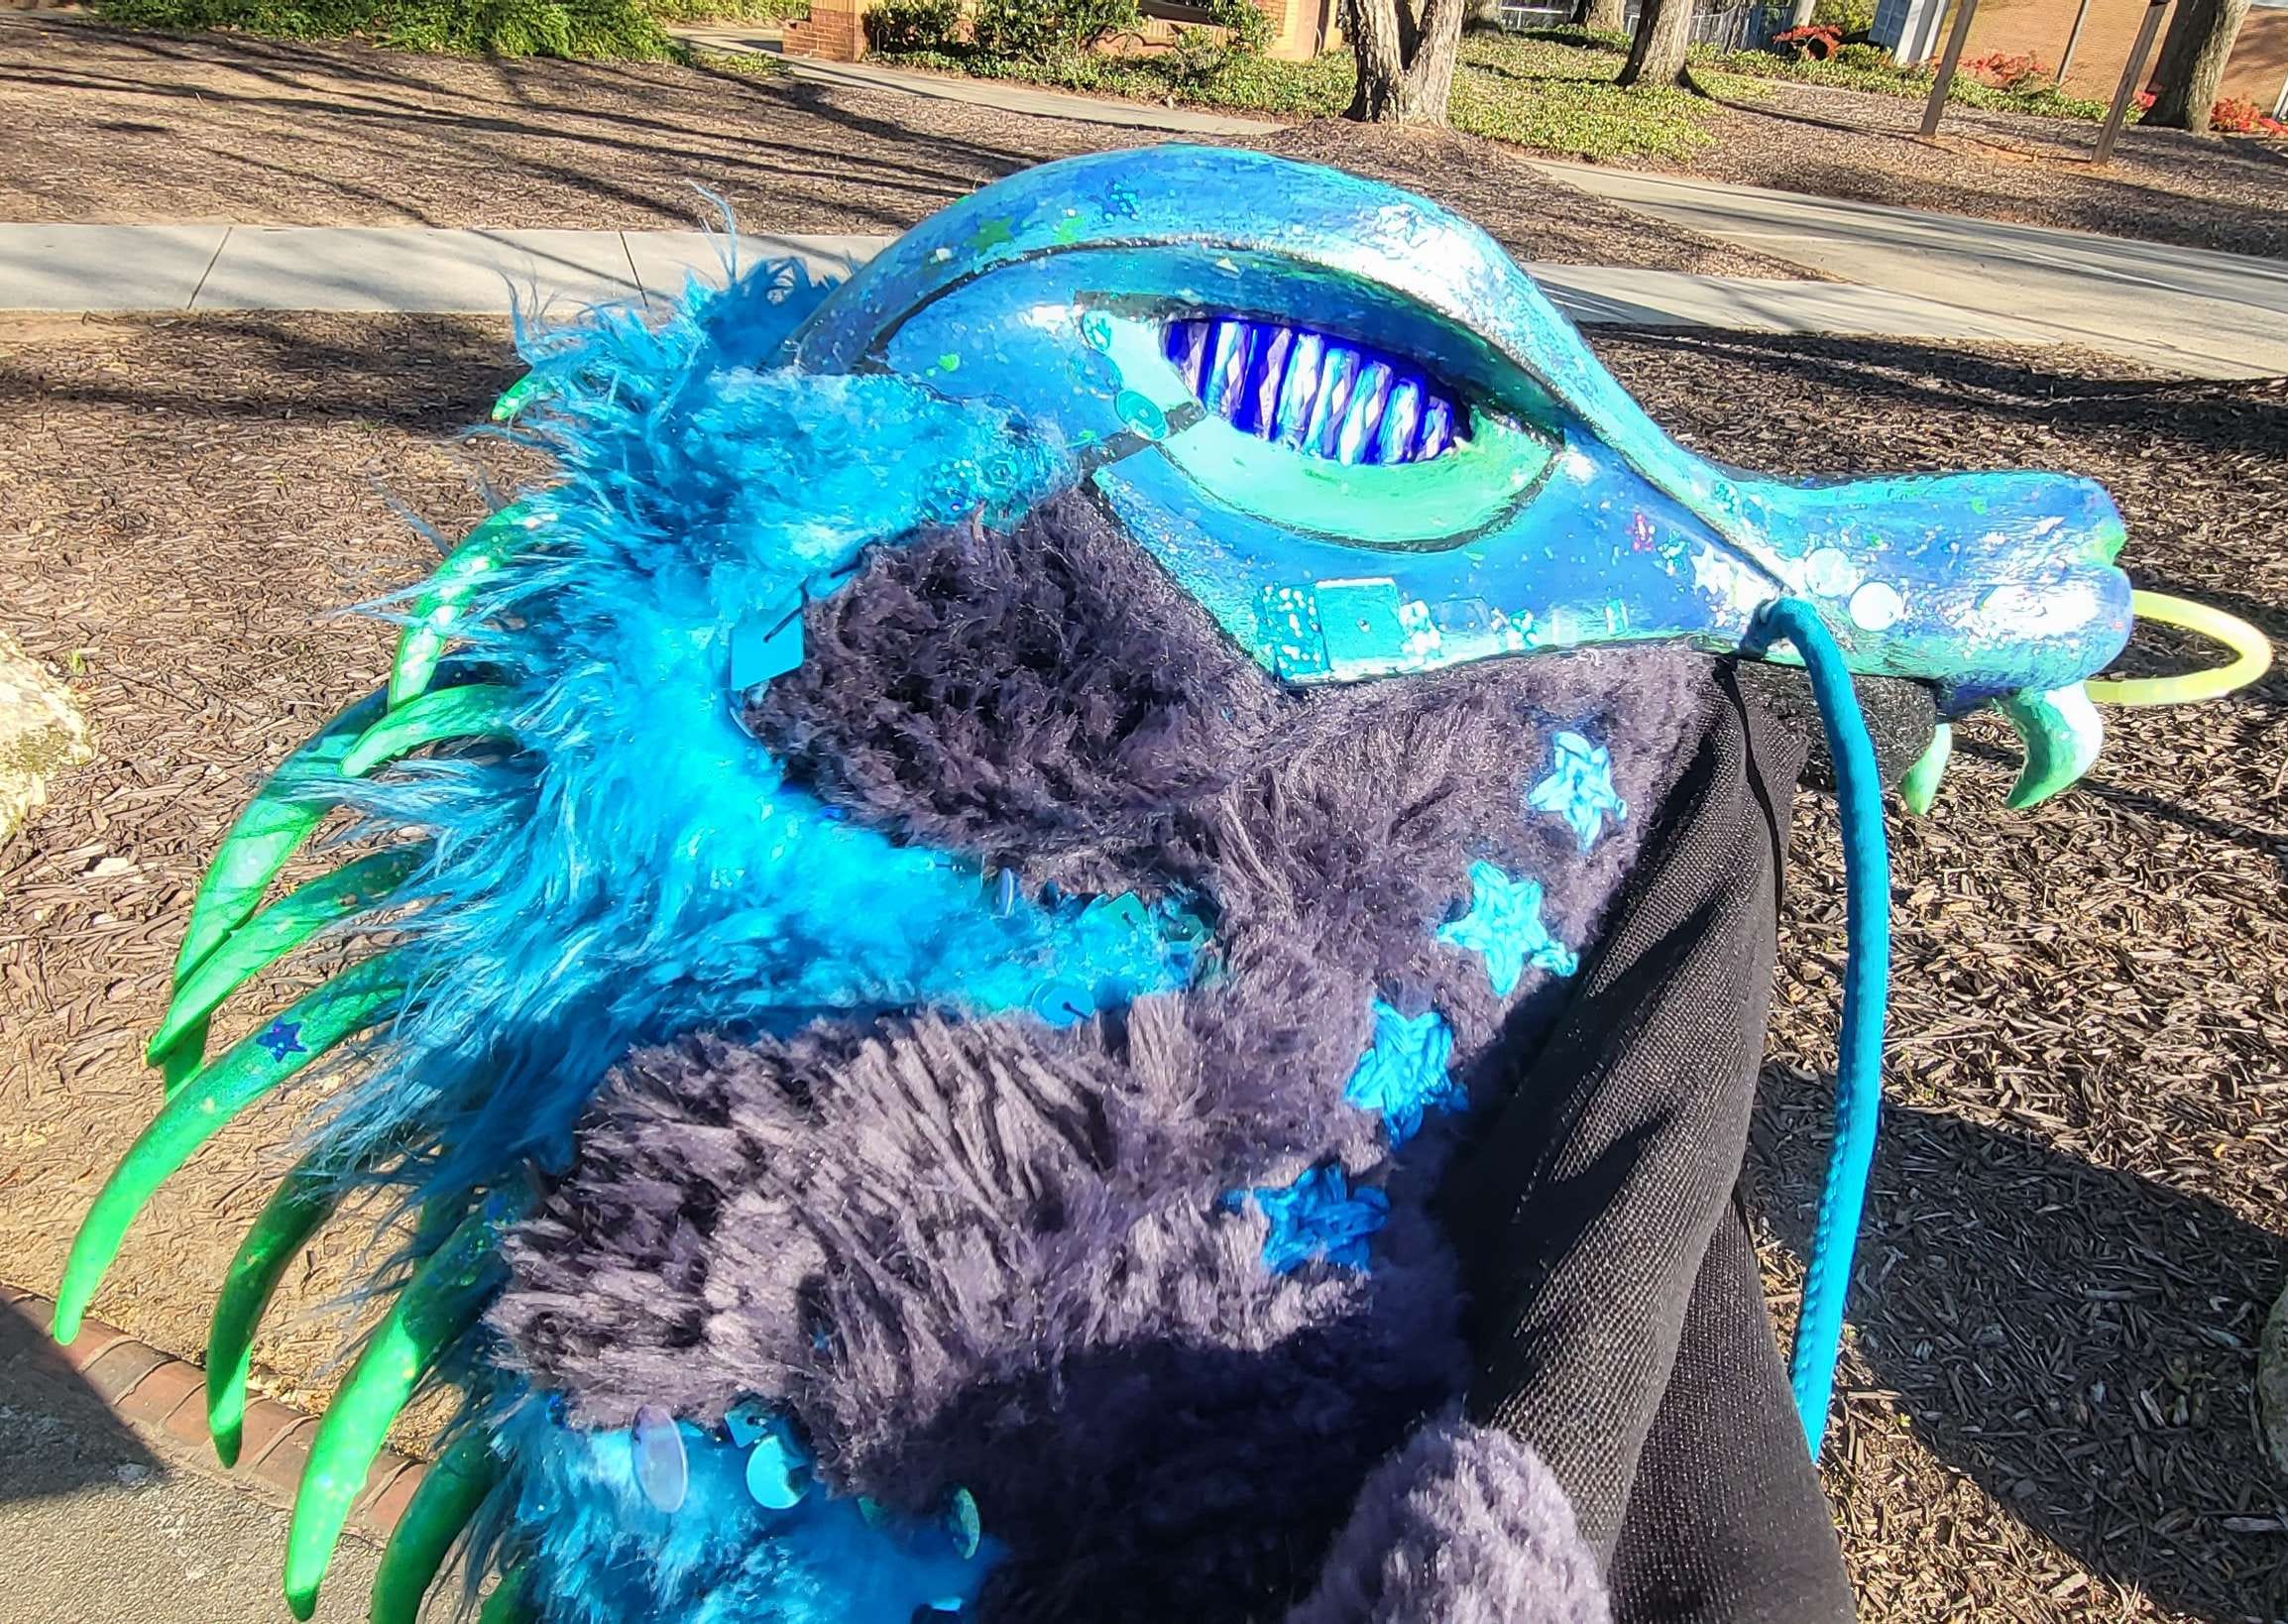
(1246, 28)
(2236, 116)
(1812, 43)
(1848, 18)
(1868, 59)
(913, 24)
(1038, 31)
(491, 28)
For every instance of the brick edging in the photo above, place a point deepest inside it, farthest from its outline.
(161, 1400)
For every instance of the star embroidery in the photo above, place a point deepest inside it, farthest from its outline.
(1319, 1216)
(282, 1038)
(1404, 1074)
(1579, 789)
(1504, 927)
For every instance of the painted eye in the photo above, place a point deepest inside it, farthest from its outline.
(1313, 393)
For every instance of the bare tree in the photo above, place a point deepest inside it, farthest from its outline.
(1663, 31)
(2192, 64)
(1406, 50)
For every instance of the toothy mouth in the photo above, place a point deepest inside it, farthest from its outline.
(1313, 393)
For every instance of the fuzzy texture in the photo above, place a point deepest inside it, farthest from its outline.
(1464, 1526)
(991, 1254)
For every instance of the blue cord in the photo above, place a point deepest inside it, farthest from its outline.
(1866, 988)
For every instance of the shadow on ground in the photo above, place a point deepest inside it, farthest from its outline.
(56, 1434)
(2078, 1341)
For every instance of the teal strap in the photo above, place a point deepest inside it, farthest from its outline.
(1866, 988)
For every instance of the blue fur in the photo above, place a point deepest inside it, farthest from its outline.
(635, 868)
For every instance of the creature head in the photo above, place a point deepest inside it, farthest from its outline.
(1356, 432)
(1336, 436)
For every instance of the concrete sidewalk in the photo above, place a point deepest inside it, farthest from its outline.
(109, 268)
(2187, 310)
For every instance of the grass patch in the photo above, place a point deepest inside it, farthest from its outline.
(1723, 72)
(1552, 92)
(592, 30)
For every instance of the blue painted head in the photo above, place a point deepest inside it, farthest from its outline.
(1350, 426)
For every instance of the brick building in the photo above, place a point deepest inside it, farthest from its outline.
(2257, 70)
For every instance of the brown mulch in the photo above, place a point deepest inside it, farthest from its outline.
(2080, 1213)
(2163, 186)
(2077, 1220)
(115, 125)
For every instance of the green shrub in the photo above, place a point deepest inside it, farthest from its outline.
(913, 24)
(494, 27)
(727, 11)
(1037, 31)
(1868, 59)
(1846, 17)
(1246, 28)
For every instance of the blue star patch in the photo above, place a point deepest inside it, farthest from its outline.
(1579, 789)
(282, 1038)
(1318, 1215)
(1504, 926)
(1404, 1075)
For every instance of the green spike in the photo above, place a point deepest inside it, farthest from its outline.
(273, 934)
(180, 1063)
(519, 395)
(476, 710)
(278, 820)
(303, 1201)
(481, 553)
(506, 1603)
(1919, 788)
(358, 997)
(447, 1498)
(2062, 735)
(439, 1303)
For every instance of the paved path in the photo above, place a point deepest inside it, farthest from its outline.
(1006, 94)
(96, 1527)
(107, 267)
(2210, 315)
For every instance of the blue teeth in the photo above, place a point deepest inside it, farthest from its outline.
(1311, 393)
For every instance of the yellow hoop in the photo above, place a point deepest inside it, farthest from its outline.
(2253, 656)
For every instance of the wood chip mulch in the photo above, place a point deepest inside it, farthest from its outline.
(2163, 186)
(2077, 1221)
(114, 125)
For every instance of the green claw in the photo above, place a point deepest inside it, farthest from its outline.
(481, 553)
(180, 1063)
(519, 395)
(1919, 788)
(507, 1605)
(303, 1201)
(358, 997)
(269, 936)
(476, 710)
(2062, 735)
(439, 1304)
(448, 1496)
(276, 821)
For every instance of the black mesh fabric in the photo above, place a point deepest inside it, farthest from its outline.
(1618, 1320)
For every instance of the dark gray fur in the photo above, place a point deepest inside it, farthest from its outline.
(991, 1254)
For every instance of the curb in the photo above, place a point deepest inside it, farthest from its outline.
(161, 1400)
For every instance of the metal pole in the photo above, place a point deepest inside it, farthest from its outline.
(1935, 108)
(2132, 75)
(2073, 39)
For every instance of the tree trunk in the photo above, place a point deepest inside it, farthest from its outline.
(2192, 64)
(1663, 31)
(1405, 52)
(1604, 16)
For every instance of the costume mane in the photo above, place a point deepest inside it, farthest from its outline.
(939, 896)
